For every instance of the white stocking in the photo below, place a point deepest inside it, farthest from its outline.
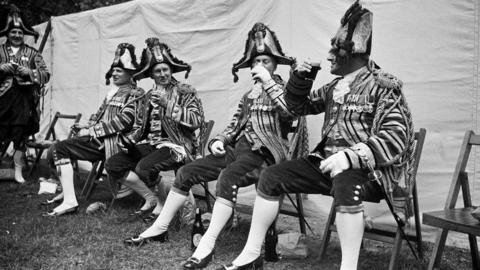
(220, 215)
(350, 228)
(264, 214)
(172, 205)
(66, 179)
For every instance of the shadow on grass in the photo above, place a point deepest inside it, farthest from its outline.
(80, 241)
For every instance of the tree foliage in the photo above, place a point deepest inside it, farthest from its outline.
(38, 11)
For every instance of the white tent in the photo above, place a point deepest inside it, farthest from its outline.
(432, 45)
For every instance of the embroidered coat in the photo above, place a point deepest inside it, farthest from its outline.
(19, 95)
(264, 120)
(373, 119)
(181, 130)
(116, 116)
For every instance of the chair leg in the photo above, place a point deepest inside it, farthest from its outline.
(418, 225)
(35, 163)
(327, 232)
(474, 251)
(438, 249)
(207, 196)
(397, 246)
(301, 217)
(89, 181)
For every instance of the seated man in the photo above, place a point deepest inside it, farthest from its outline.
(367, 123)
(257, 134)
(99, 138)
(165, 138)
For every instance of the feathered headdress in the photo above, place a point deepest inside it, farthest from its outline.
(10, 18)
(355, 33)
(261, 40)
(124, 58)
(155, 53)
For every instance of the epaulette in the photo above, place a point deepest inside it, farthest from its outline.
(137, 91)
(186, 88)
(387, 80)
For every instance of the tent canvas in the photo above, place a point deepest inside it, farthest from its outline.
(432, 45)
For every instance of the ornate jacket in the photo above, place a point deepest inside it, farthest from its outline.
(116, 116)
(27, 57)
(179, 130)
(374, 120)
(264, 120)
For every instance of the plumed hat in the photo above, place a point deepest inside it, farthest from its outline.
(124, 58)
(355, 33)
(10, 18)
(157, 53)
(261, 40)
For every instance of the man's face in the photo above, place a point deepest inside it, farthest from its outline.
(338, 64)
(162, 74)
(15, 36)
(266, 61)
(120, 76)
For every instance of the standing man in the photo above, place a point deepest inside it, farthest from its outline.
(367, 123)
(22, 72)
(98, 139)
(257, 134)
(165, 138)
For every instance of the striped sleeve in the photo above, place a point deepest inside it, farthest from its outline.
(40, 74)
(276, 93)
(234, 127)
(122, 121)
(190, 108)
(390, 140)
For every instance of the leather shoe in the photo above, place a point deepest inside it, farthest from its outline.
(195, 263)
(138, 240)
(257, 264)
(141, 212)
(69, 211)
(48, 202)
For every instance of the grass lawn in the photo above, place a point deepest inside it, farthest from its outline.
(80, 241)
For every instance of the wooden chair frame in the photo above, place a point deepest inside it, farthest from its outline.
(458, 219)
(50, 133)
(386, 234)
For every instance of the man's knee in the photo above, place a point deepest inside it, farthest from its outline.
(60, 153)
(270, 183)
(348, 192)
(184, 179)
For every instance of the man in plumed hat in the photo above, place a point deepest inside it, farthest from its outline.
(367, 125)
(164, 139)
(98, 139)
(22, 72)
(256, 135)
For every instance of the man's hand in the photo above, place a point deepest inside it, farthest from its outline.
(176, 113)
(23, 71)
(79, 126)
(260, 73)
(303, 68)
(7, 68)
(217, 148)
(159, 98)
(335, 164)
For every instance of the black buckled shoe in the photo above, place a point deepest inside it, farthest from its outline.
(138, 240)
(195, 263)
(256, 264)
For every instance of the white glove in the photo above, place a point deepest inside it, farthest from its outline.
(260, 73)
(335, 164)
(217, 148)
